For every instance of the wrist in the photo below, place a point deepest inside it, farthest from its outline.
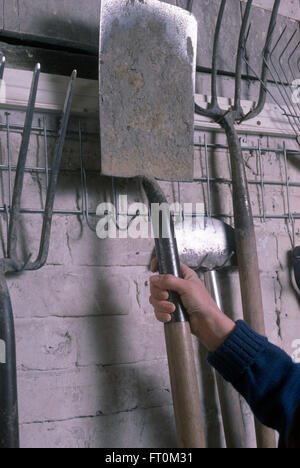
(212, 329)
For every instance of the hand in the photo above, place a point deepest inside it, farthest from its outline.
(207, 321)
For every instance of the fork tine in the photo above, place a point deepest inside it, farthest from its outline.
(239, 60)
(46, 229)
(19, 179)
(264, 74)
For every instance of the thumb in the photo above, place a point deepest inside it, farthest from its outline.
(171, 283)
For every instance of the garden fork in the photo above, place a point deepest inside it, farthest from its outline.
(244, 226)
(9, 430)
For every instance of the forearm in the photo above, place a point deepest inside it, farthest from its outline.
(264, 374)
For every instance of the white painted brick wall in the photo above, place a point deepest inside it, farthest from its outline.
(92, 367)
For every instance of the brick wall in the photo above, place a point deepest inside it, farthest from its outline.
(92, 369)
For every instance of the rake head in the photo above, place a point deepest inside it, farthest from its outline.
(235, 113)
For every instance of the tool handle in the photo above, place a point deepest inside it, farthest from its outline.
(181, 360)
(247, 255)
(296, 264)
(9, 426)
(184, 385)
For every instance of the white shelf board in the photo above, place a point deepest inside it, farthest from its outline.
(52, 89)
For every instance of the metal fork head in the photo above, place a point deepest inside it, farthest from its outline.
(235, 113)
(13, 263)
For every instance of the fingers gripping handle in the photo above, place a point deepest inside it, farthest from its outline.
(183, 376)
(168, 263)
(165, 242)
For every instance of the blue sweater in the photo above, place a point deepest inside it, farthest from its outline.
(265, 375)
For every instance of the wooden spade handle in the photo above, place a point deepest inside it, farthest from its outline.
(183, 376)
(184, 385)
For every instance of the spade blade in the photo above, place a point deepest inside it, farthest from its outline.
(147, 83)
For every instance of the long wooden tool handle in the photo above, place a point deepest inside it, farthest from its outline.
(184, 385)
(183, 376)
(247, 255)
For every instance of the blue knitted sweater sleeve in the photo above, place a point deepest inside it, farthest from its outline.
(264, 374)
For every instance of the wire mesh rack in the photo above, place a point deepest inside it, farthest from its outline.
(203, 148)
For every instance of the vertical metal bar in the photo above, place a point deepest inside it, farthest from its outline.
(2, 67)
(209, 211)
(46, 151)
(179, 193)
(7, 114)
(7, 227)
(84, 190)
(287, 182)
(82, 173)
(293, 232)
(179, 201)
(261, 179)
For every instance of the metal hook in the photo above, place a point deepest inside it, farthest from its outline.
(261, 178)
(6, 210)
(290, 216)
(293, 232)
(229, 257)
(84, 189)
(2, 67)
(199, 267)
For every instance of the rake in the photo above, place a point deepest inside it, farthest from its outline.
(244, 226)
